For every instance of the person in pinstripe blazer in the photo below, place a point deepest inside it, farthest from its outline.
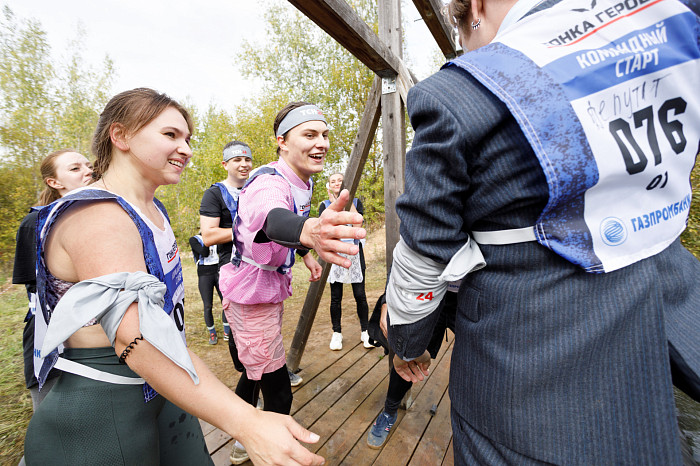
(551, 364)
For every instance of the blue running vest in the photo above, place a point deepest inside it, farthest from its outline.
(173, 279)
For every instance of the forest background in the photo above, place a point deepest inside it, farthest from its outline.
(47, 104)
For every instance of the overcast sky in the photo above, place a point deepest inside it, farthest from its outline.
(181, 47)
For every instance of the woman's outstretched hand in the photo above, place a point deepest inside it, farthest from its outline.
(314, 267)
(273, 438)
(323, 234)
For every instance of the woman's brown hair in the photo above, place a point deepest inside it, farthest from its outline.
(457, 12)
(48, 170)
(132, 109)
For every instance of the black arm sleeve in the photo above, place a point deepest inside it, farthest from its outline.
(198, 248)
(284, 227)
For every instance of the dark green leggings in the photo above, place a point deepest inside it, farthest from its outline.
(86, 422)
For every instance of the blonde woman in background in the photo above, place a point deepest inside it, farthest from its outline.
(61, 171)
(354, 275)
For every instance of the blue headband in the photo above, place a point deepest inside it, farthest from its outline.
(298, 116)
(237, 150)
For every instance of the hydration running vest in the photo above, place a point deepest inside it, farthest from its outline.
(230, 199)
(302, 207)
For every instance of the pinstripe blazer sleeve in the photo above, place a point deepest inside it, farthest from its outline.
(437, 179)
(459, 173)
(436, 182)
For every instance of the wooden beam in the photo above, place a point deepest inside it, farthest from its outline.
(307, 316)
(442, 31)
(393, 127)
(393, 138)
(343, 24)
(358, 157)
(360, 150)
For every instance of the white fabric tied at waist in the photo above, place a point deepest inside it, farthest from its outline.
(106, 299)
(417, 283)
(501, 237)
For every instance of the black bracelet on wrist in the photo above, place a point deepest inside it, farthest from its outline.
(127, 350)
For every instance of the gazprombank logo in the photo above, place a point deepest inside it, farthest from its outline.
(613, 231)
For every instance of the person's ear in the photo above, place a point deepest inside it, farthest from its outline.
(477, 10)
(53, 183)
(281, 142)
(118, 136)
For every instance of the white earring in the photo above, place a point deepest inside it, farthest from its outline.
(476, 25)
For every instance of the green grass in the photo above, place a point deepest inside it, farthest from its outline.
(14, 397)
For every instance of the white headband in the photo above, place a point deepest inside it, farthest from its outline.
(298, 116)
(237, 150)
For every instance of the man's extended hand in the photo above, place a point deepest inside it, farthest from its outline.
(323, 234)
(415, 370)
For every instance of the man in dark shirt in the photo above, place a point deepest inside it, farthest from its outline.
(215, 218)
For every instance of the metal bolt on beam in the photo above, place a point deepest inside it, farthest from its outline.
(388, 85)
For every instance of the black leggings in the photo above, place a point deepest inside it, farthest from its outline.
(398, 387)
(207, 284)
(234, 356)
(358, 291)
(276, 390)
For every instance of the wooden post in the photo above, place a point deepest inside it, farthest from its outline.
(393, 138)
(431, 12)
(383, 56)
(393, 125)
(358, 157)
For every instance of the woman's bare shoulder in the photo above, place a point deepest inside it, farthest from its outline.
(93, 239)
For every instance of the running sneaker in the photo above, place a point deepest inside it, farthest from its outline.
(294, 379)
(213, 338)
(379, 433)
(336, 341)
(364, 336)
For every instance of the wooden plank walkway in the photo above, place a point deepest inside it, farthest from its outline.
(342, 394)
